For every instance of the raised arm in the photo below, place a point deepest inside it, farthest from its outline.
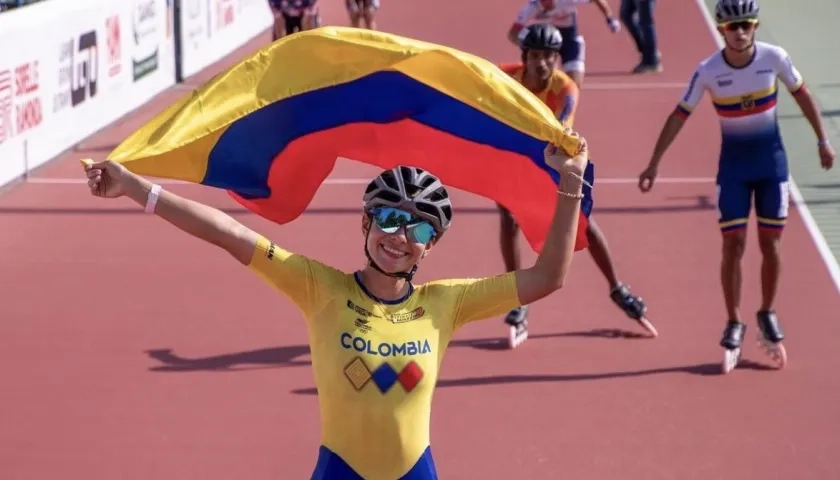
(110, 180)
(525, 15)
(549, 272)
(480, 298)
(303, 280)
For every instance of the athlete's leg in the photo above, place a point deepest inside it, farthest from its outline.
(312, 18)
(517, 319)
(277, 31)
(771, 208)
(600, 253)
(734, 245)
(650, 50)
(620, 294)
(627, 13)
(573, 54)
(639, 14)
(354, 11)
(369, 13)
(734, 202)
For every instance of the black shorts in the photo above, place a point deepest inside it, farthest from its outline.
(573, 50)
(293, 24)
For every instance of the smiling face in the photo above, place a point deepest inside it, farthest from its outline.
(392, 252)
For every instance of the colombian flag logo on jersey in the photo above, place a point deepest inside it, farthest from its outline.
(270, 129)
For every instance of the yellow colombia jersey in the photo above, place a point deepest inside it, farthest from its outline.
(376, 365)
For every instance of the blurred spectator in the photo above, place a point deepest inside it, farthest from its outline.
(292, 16)
(637, 16)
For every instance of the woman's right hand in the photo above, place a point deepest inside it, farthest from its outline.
(106, 179)
(565, 163)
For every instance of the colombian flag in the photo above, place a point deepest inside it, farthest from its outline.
(270, 129)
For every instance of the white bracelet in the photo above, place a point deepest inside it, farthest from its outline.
(577, 196)
(579, 178)
(152, 199)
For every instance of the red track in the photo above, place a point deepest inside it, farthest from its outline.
(131, 351)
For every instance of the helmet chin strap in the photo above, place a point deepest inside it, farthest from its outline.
(405, 275)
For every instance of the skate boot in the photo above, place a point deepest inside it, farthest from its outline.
(770, 337)
(632, 306)
(517, 321)
(733, 337)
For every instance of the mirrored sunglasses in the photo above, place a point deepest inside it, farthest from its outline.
(390, 220)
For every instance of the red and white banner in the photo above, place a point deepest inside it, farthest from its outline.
(71, 68)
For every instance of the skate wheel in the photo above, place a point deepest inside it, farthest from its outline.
(730, 359)
(516, 337)
(648, 326)
(782, 355)
(775, 351)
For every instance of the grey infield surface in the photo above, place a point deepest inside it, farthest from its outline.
(810, 35)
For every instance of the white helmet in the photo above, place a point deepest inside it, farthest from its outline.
(735, 10)
(412, 189)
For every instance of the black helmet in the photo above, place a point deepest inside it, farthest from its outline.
(540, 36)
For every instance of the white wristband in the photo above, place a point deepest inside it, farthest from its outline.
(152, 199)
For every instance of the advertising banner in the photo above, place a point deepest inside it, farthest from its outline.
(71, 68)
(212, 29)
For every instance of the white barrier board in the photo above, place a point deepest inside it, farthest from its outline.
(68, 69)
(212, 29)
